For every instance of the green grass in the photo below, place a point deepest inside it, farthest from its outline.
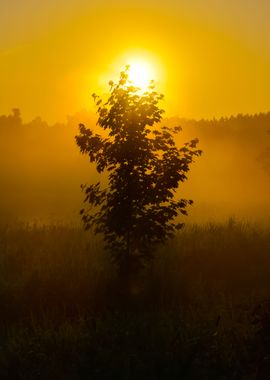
(201, 311)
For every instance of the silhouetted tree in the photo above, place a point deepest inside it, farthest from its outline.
(136, 209)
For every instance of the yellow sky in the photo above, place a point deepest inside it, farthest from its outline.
(212, 58)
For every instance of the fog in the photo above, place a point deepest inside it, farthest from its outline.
(42, 169)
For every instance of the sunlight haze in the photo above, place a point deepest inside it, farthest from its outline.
(211, 58)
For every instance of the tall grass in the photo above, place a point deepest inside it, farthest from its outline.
(202, 310)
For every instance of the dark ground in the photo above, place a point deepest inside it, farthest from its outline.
(202, 311)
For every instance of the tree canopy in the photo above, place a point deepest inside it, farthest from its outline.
(136, 208)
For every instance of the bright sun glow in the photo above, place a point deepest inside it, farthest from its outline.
(140, 74)
(143, 68)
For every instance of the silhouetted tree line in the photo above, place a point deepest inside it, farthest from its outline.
(41, 165)
(247, 121)
(20, 137)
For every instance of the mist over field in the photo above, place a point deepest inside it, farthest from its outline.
(42, 169)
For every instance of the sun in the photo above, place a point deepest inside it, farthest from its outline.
(144, 67)
(140, 73)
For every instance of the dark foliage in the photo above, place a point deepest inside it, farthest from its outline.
(137, 208)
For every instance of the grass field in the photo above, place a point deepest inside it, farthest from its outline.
(201, 311)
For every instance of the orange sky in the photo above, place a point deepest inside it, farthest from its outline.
(212, 57)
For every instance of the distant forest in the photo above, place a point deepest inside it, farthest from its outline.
(41, 167)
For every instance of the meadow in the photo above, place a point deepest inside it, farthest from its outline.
(202, 310)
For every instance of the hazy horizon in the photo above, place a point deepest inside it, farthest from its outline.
(42, 168)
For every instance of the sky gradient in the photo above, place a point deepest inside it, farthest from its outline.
(211, 58)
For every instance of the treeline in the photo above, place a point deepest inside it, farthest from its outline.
(41, 168)
(232, 123)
